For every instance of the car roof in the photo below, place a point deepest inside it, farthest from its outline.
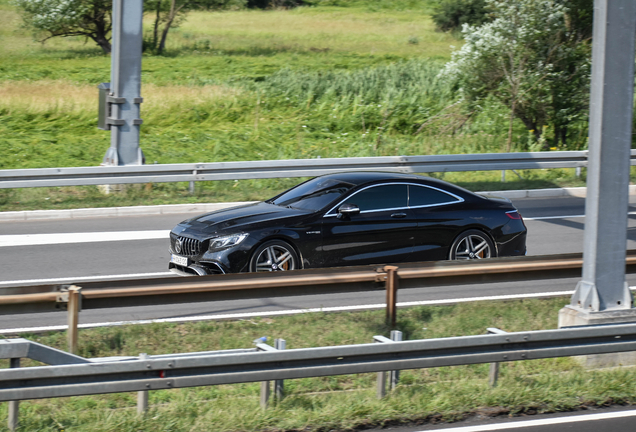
(359, 178)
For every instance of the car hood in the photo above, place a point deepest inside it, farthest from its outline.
(237, 218)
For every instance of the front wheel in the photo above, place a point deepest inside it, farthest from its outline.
(274, 255)
(472, 244)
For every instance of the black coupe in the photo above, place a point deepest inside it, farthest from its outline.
(349, 219)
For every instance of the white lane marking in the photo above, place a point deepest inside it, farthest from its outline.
(564, 217)
(83, 279)
(542, 422)
(85, 237)
(283, 312)
(93, 237)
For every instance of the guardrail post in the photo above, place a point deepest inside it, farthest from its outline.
(265, 385)
(142, 396)
(493, 373)
(265, 391)
(391, 294)
(381, 385)
(394, 376)
(74, 306)
(14, 406)
(191, 187)
(279, 385)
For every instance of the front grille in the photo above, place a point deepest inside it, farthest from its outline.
(186, 246)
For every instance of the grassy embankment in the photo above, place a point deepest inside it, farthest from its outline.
(339, 402)
(246, 85)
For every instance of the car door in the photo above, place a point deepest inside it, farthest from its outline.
(439, 217)
(382, 232)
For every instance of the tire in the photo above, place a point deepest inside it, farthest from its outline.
(472, 244)
(274, 255)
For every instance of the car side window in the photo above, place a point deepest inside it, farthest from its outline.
(420, 196)
(382, 197)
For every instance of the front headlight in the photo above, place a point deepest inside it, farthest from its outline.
(226, 241)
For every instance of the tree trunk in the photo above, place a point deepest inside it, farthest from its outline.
(166, 28)
(532, 125)
(512, 118)
(155, 30)
(103, 43)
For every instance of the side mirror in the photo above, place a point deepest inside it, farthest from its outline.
(347, 210)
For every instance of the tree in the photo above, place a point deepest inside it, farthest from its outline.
(451, 15)
(92, 18)
(53, 18)
(171, 13)
(527, 59)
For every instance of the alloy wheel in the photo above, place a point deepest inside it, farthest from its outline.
(275, 257)
(472, 246)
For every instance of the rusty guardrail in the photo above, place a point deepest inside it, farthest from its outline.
(155, 291)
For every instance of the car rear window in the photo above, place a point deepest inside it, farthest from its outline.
(313, 195)
(420, 196)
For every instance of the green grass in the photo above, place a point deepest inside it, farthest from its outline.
(338, 402)
(327, 81)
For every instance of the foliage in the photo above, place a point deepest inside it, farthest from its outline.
(425, 5)
(527, 60)
(453, 14)
(579, 18)
(248, 85)
(92, 18)
(273, 4)
(55, 18)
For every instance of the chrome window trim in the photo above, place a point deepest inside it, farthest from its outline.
(458, 199)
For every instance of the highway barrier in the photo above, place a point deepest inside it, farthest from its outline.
(160, 291)
(70, 375)
(193, 172)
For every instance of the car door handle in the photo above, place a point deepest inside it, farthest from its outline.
(398, 215)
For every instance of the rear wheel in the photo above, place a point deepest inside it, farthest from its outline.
(472, 244)
(274, 255)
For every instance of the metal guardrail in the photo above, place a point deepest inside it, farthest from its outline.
(146, 292)
(82, 176)
(100, 376)
(169, 290)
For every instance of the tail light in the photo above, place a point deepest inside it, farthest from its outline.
(513, 214)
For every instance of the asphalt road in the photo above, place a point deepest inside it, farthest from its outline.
(555, 226)
(75, 252)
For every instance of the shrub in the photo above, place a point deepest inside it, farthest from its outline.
(452, 14)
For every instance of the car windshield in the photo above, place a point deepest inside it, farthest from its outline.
(312, 195)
